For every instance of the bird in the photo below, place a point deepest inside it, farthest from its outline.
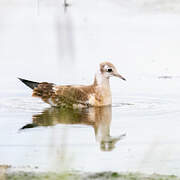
(97, 94)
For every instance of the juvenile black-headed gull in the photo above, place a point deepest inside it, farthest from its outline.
(78, 96)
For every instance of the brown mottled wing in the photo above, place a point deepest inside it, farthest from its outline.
(63, 95)
(70, 95)
(44, 91)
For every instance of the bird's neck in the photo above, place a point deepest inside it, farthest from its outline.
(102, 88)
(101, 81)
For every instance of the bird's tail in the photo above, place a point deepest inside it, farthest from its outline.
(28, 83)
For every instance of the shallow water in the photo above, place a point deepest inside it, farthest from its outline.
(139, 133)
(141, 130)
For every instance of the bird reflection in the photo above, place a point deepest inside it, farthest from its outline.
(99, 118)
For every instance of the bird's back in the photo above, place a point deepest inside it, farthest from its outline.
(68, 96)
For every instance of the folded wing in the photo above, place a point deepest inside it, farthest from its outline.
(66, 96)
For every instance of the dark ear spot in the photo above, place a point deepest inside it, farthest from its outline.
(102, 68)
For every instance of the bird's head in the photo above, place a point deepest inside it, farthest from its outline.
(108, 70)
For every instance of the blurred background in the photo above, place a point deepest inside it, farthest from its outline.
(45, 40)
(64, 42)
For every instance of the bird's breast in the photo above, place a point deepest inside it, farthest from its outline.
(100, 99)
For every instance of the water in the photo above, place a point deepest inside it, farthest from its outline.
(139, 133)
(141, 130)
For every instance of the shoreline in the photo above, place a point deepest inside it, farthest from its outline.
(108, 175)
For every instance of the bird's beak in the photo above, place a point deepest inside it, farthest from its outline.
(119, 76)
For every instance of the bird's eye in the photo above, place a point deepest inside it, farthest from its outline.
(109, 70)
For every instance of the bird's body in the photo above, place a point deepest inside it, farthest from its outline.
(73, 96)
(77, 96)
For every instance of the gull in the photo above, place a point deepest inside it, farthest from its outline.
(78, 96)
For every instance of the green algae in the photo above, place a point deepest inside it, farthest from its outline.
(87, 176)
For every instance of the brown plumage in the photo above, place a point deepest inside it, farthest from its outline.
(97, 94)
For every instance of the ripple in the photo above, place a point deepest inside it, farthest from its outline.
(148, 105)
(126, 104)
(27, 104)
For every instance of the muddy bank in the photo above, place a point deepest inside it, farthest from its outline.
(86, 176)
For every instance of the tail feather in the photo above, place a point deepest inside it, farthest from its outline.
(28, 83)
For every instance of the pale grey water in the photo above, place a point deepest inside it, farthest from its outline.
(48, 45)
(151, 124)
